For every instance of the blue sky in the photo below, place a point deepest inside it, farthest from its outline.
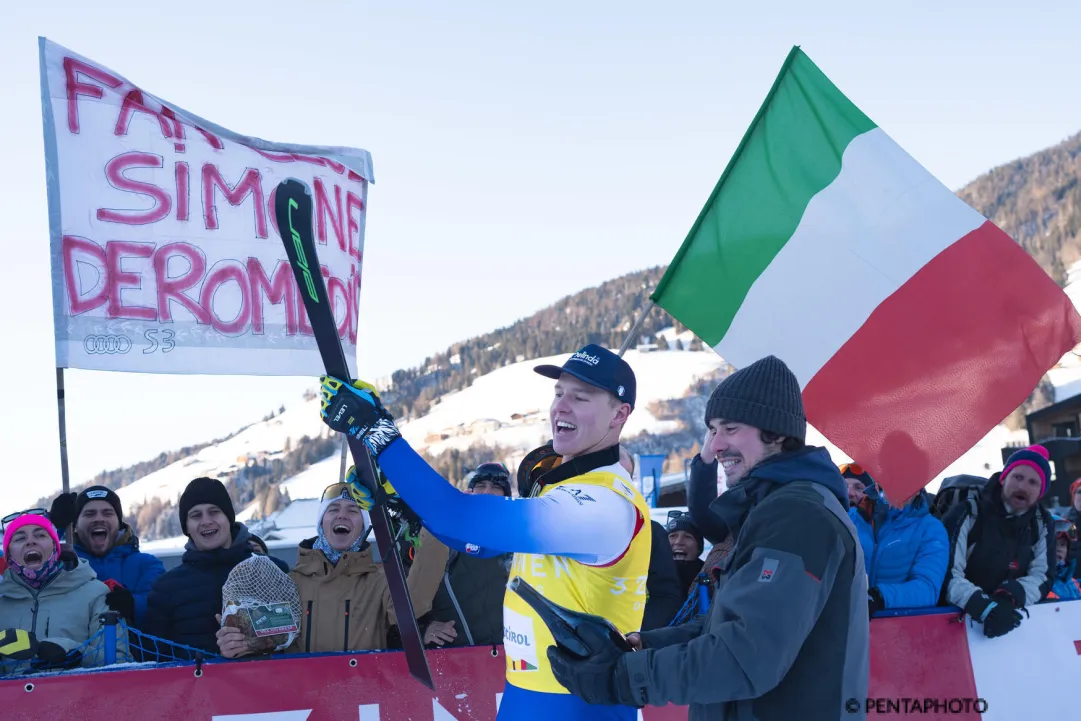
(522, 151)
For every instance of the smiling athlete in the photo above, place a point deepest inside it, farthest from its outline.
(580, 533)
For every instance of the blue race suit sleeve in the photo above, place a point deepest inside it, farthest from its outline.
(594, 526)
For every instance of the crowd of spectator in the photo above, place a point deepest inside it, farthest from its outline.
(986, 546)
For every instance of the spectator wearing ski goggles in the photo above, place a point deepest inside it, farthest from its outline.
(492, 479)
(30, 511)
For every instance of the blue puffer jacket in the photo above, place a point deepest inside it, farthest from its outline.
(128, 566)
(906, 552)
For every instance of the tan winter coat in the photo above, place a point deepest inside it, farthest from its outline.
(347, 607)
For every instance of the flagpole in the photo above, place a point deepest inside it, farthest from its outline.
(634, 328)
(65, 477)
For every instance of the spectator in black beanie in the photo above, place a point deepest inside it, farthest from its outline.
(184, 601)
(794, 582)
(687, 545)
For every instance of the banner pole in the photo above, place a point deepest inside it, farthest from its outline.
(634, 328)
(65, 477)
(345, 459)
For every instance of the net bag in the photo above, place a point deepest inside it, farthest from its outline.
(263, 603)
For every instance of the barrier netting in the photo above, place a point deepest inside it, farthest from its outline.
(114, 643)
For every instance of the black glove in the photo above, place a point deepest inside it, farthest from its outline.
(18, 644)
(63, 513)
(875, 602)
(69, 558)
(122, 601)
(357, 411)
(1001, 619)
(1012, 592)
(53, 656)
(599, 679)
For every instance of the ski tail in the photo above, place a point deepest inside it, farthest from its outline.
(293, 211)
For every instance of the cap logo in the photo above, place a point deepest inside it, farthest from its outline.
(586, 358)
(620, 391)
(97, 494)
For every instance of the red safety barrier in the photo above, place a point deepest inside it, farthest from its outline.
(921, 666)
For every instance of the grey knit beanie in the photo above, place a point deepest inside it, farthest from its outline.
(765, 395)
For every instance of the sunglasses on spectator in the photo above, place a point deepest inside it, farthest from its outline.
(678, 514)
(30, 511)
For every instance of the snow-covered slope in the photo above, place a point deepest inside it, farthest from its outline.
(509, 406)
(264, 439)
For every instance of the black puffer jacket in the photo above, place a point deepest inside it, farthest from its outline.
(663, 593)
(702, 491)
(476, 586)
(183, 601)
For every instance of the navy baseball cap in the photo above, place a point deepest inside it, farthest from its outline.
(598, 367)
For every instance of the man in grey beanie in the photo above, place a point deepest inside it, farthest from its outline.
(786, 634)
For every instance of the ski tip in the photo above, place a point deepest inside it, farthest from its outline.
(294, 185)
(425, 679)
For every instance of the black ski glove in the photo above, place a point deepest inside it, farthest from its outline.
(1012, 592)
(875, 602)
(53, 656)
(1001, 619)
(62, 513)
(69, 558)
(122, 601)
(18, 644)
(356, 411)
(598, 679)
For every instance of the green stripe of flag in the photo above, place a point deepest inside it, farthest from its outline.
(791, 151)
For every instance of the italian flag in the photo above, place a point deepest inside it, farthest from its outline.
(913, 324)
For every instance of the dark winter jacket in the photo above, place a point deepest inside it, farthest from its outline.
(471, 594)
(905, 551)
(183, 601)
(664, 595)
(786, 636)
(701, 492)
(991, 550)
(688, 571)
(1074, 517)
(128, 566)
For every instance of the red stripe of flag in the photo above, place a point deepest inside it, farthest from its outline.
(943, 360)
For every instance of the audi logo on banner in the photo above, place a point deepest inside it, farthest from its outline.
(106, 344)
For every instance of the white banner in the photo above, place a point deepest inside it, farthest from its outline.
(166, 256)
(1030, 672)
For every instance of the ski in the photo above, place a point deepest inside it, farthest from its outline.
(293, 211)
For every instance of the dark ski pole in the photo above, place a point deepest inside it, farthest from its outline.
(293, 211)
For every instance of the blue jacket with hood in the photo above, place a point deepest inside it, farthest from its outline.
(906, 552)
(127, 565)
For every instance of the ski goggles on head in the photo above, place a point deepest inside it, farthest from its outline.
(335, 491)
(1067, 529)
(30, 511)
(492, 473)
(854, 468)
